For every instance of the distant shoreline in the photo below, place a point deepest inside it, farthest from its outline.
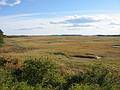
(9, 36)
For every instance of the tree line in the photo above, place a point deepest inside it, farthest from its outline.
(1, 37)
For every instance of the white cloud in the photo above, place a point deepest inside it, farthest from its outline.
(86, 24)
(8, 3)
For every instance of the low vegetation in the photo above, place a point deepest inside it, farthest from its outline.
(43, 74)
(70, 63)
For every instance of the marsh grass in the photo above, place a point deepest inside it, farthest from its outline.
(61, 49)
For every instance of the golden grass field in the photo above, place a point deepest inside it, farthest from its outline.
(72, 53)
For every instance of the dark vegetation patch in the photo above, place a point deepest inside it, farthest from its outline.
(61, 53)
(108, 35)
(17, 36)
(84, 56)
(1, 38)
(51, 42)
(89, 56)
(2, 61)
(116, 46)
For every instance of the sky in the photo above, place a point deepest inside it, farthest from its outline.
(58, 17)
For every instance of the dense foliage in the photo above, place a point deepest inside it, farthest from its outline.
(97, 76)
(41, 71)
(43, 74)
(2, 61)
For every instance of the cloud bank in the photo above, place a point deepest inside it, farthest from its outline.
(9, 3)
(104, 24)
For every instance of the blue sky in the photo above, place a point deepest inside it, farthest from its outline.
(40, 6)
(41, 17)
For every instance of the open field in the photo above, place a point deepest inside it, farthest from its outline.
(72, 53)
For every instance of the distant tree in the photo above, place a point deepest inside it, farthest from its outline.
(1, 37)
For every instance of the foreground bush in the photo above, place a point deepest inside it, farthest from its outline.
(105, 77)
(42, 74)
(41, 71)
(99, 75)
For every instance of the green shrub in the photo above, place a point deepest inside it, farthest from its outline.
(6, 79)
(22, 86)
(41, 71)
(104, 77)
(17, 74)
(2, 61)
(98, 75)
(1, 37)
(72, 80)
(25, 86)
(84, 87)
